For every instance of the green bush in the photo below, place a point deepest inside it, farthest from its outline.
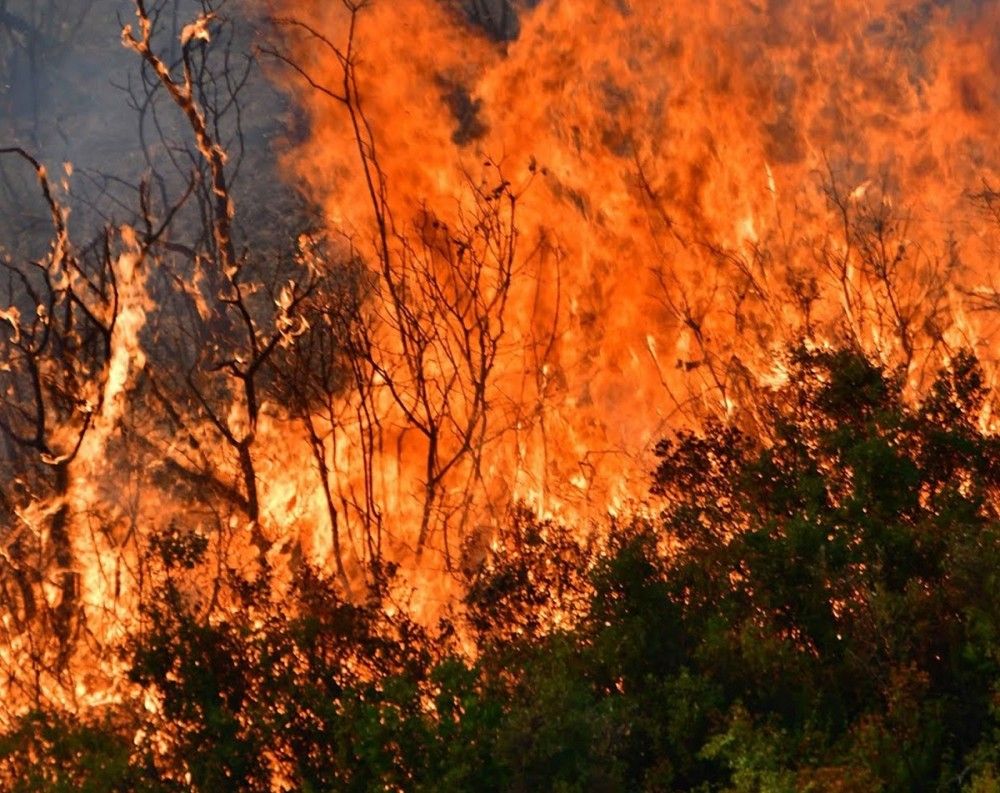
(817, 607)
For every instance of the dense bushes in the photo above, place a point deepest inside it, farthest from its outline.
(816, 608)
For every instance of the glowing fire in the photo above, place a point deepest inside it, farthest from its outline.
(706, 182)
(572, 243)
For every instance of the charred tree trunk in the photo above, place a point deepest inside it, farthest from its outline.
(62, 545)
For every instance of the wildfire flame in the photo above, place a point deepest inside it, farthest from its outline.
(563, 245)
(696, 184)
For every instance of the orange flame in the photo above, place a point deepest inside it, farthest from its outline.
(714, 180)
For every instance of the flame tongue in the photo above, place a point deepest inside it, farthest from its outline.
(705, 179)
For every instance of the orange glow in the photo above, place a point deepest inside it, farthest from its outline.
(697, 184)
(573, 243)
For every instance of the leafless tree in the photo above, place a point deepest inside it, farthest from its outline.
(55, 349)
(437, 319)
(219, 320)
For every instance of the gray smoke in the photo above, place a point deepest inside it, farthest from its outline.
(70, 92)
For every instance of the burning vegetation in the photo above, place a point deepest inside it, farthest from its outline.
(338, 345)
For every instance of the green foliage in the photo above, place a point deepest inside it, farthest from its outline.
(816, 609)
(56, 752)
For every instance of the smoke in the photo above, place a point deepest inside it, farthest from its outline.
(71, 93)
